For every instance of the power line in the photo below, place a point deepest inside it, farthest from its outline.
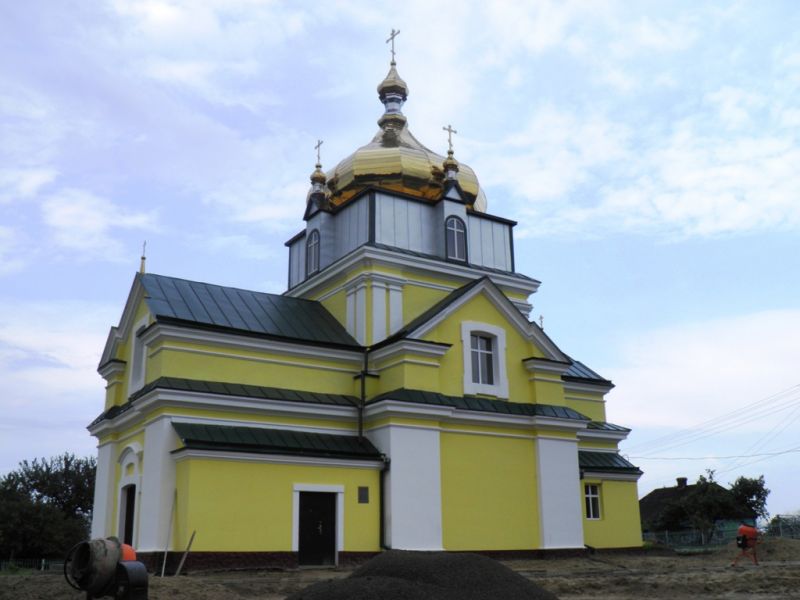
(764, 454)
(767, 406)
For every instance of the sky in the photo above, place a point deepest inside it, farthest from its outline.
(649, 152)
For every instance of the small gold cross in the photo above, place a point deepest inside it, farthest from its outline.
(450, 131)
(319, 143)
(391, 39)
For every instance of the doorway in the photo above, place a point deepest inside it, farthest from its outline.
(317, 529)
(128, 512)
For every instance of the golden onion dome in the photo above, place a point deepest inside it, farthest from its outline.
(395, 160)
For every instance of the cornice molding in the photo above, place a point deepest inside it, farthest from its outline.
(160, 332)
(409, 346)
(608, 476)
(277, 459)
(450, 414)
(417, 264)
(162, 398)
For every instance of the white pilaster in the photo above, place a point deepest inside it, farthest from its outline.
(103, 491)
(378, 311)
(395, 307)
(561, 519)
(158, 485)
(357, 312)
(413, 500)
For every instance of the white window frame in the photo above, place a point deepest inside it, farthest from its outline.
(312, 252)
(451, 253)
(591, 491)
(315, 487)
(499, 374)
(138, 357)
(130, 456)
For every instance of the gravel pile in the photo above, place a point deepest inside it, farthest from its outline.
(403, 575)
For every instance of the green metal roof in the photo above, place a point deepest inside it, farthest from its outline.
(229, 389)
(274, 441)
(475, 403)
(579, 372)
(605, 462)
(604, 426)
(215, 306)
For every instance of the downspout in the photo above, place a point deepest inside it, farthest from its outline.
(364, 371)
(382, 509)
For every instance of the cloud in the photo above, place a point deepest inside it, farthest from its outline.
(84, 222)
(11, 259)
(24, 182)
(680, 375)
(51, 391)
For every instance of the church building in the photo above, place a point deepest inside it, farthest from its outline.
(395, 396)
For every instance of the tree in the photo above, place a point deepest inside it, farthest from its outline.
(752, 493)
(700, 508)
(46, 506)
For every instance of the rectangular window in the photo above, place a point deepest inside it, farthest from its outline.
(482, 359)
(592, 500)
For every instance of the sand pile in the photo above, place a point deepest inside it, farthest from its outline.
(403, 575)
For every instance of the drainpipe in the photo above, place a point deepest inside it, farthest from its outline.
(382, 483)
(364, 372)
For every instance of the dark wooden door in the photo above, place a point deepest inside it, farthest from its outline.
(130, 511)
(317, 528)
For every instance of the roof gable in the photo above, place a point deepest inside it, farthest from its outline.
(484, 286)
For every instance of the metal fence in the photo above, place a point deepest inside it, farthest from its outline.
(31, 564)
(718, 536)
(786, 526)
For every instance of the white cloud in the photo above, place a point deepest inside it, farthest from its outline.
(86, 223)
(11, 258)
(51, 390)
(24, 182)
(681, 375)
(735, 105)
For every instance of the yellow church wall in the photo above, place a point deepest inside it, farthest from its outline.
(406, 371)
(480, 309)
(181, 532)
(417, 299)
(250, 367)
(247, 507)
(489, 499)
(547, 391)
(600, 444)
(619, 524)
(595, 410)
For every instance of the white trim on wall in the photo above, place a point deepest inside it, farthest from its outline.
(103, 491)
(560, 501)
(315, 487)
(500, 375)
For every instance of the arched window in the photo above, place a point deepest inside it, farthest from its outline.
(455, 239)
(312, 253)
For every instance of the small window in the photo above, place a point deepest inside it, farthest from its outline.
(363, 495)
(592, 500)
(484, 355)
(482, 359)
(312, 253)
(455, 239)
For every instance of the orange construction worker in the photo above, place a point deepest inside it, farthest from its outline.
(746, 539)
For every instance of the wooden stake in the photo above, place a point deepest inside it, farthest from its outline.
(169, 531)
(185, 554)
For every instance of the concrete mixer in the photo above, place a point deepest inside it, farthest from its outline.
(105, 567)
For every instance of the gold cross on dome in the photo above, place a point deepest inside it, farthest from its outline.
(450, 131)
(393, 35)
(319, 143)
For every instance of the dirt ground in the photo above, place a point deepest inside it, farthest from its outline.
(651, 575)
